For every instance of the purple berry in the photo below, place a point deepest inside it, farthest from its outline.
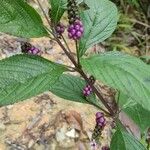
(105, 148)
(75, 38)
(73, 31)
(60, 28)
(93, 145)
(77, 27)
(29, 52)
(100, 124)
(100, 119)
(78, 22)
(33, 50)
(84, 92)
(87, 90)
(78, 34)
(70, 27)
(70, 35)
(81, 29)
(99, 114)
(27, 48)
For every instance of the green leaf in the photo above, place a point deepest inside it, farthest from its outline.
(122, 140)
(19, 19)
(136, 112)
(57, 9)
(70, 87)
(126, 73)
(134, 2)
(99, 23)
(24, 76)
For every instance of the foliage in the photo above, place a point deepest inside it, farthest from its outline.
(125, 73)
(138, 114)
(19, 19)
(122, 140)
(98, 26)
(24, 76)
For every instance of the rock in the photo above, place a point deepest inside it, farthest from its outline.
(63, 140)
(72, 133)
(2, 127)
(31, 143)
(60, 134)
(10, 106)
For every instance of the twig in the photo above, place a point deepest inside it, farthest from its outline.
(78, 69)
(77, 50)
(139, 22)
(48, 21)
(66, 44)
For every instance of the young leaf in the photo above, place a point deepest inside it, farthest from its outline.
(146, 59)
(99, 23)
(83, 6)
(126, 73)
(136, 112)
(122, 140)
(79, 3)
(57, 10)
(70, 87)
(19, 19)
(24, 76)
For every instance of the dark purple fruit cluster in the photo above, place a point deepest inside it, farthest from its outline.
(73, 13)
(75, 30)
(100, 119)
(87, 90)
(33, 50)
(60, 28)
(105, 148)
(27, 48)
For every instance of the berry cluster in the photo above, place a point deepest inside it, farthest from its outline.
(73, 13)
(60, 28)
(100, 124)
(27, 48)
(75, 30)
(87, 90)
(100, 119)
(33, 50)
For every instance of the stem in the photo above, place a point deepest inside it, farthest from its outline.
(77, 50)
(96, 92)
(77, 66)
(81, 72)
(66, 44)
(48, 21)
(66, 52)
